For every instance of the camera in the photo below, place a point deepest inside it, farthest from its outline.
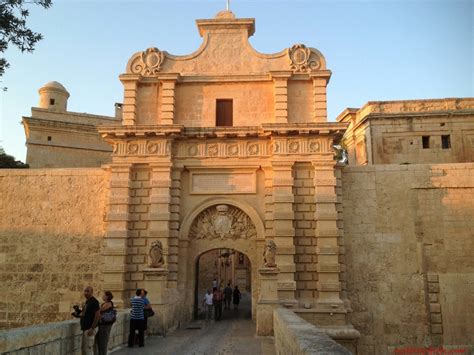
(77, 311)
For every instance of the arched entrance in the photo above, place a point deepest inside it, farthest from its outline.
(217, 225)
(224, 268)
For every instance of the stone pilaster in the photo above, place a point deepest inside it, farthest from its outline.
(280, 80)
(130, 100)
(164, 214)
(283, 229)
(115, 273)
(320, 99)
(268, 300)
(174, 226)
(156, 285)
(327, 234)
(168, 86)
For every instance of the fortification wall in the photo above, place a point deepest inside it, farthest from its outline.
(51, 231)
(408, 234)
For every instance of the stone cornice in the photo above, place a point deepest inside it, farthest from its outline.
(265, 130)
(40, 123)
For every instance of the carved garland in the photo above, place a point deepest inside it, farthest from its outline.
(222, 222)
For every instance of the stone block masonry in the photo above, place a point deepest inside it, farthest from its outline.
(408, 235)
(51, 233)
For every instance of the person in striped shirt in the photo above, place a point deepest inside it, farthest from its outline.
(137, 320)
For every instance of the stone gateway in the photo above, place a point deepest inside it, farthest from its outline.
(227, 154)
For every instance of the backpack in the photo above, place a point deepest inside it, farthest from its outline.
(109, 316)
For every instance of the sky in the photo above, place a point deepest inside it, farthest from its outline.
(376, 50)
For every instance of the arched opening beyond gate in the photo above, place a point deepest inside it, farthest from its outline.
(220, 226)
(230, 271)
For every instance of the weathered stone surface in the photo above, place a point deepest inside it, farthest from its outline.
(294, 335)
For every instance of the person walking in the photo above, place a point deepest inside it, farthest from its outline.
(217, 301)
(137, 320)
(227, 296)
(106, 310)
(89, 318)
(214, 283)
(207, 303)
(236, 297)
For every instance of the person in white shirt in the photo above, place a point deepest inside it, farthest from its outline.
(207, 302)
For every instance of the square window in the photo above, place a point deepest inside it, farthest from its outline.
(446, 141)
(51, 101)
(425, 141)
(224, 112)
(49, 138)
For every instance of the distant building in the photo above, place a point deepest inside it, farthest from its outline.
(410, 132)
(58, 138)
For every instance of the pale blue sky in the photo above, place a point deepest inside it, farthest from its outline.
(377, 50)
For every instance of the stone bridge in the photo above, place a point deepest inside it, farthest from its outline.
(234, 334)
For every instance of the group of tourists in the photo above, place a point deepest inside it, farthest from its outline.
(214, 298)
(96, 320)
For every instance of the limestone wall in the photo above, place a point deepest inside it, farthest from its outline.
(409, 251)
(51, 230)
(58, 338)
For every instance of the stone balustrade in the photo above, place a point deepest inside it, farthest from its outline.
(57, 338)
(294, 335)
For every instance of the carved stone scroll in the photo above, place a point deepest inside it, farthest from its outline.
(147, 63)
(303, 59)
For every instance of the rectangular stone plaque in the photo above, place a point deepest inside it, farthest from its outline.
(223, 183)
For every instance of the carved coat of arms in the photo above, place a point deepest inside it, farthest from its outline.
(222, 222)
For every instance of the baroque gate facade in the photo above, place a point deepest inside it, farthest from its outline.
(226, 148)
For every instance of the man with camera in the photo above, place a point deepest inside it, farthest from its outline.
(89, 315)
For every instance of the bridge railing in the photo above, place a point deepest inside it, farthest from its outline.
(294, 335)
(57, 338)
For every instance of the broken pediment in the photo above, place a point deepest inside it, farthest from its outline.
(226, 51)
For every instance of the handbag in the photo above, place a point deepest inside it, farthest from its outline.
(109, 316)
(148, 312)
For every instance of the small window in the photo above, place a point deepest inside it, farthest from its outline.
(51, 101)
(446, 142)
(49, 138)
(426, 142)
(224, 112)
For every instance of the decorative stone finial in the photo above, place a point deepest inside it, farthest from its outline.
(269, 254)
(156, 254)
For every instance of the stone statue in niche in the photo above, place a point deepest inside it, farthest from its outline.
(269, 254)
(156, 254)
(222, 222)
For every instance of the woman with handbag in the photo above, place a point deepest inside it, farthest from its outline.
(108, 316)
(147, 310)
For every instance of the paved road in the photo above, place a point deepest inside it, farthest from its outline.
(234, 334)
